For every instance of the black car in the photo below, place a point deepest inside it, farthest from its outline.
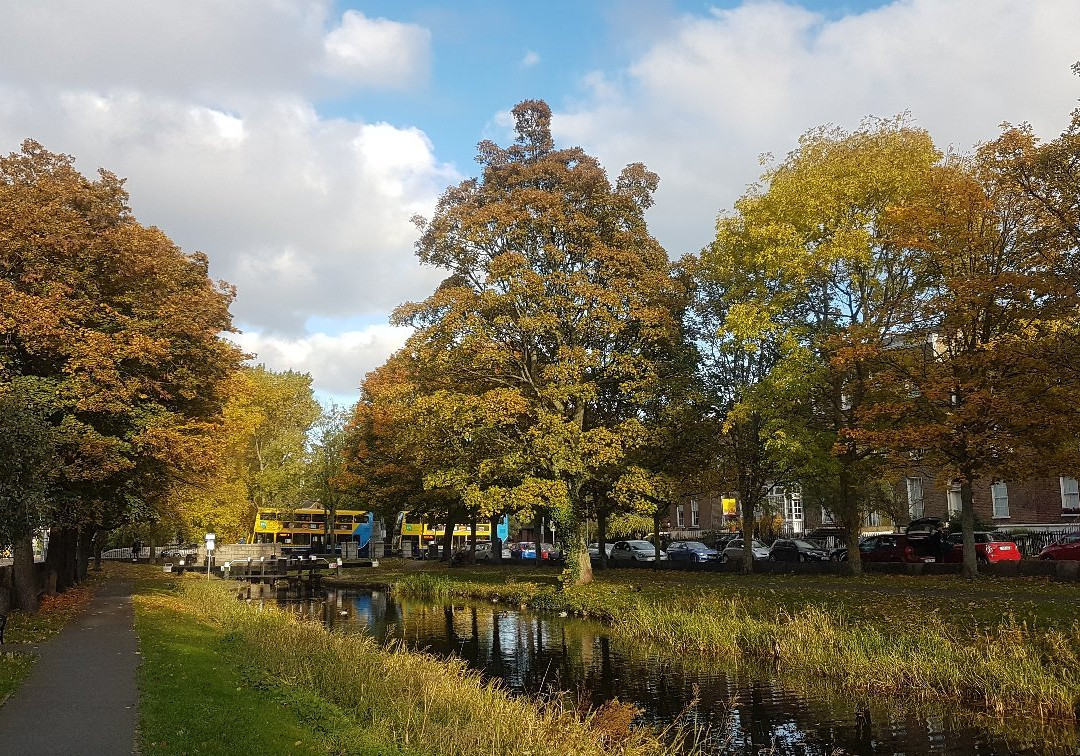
(691, 551)
(797, 550)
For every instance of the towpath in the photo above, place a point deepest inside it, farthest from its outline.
(80, 698)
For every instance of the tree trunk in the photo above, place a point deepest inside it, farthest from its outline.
(538, 535)
(496, 542)
(26, 584)
(749, 514)
(601, 536)
(448, 538)
(71, 561)
(472, 538)
(54, 561)
(581, 564)
(967, 524)
(86, 536)
(99, 546)
(851, 518)
(656, 539)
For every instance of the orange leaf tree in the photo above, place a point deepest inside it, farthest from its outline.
(118, 329)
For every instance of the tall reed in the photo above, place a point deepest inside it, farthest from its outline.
(420, 702)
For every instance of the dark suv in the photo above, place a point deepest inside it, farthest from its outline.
(891, 547)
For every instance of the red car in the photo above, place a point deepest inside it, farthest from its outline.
(990, 548)
(891, 547)
(1067, 547)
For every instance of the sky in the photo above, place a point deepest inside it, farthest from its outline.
(293, 140)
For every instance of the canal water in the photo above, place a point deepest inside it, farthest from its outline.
(739, 710)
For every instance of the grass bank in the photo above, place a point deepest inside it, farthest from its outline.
(998, 645)
(357, 696)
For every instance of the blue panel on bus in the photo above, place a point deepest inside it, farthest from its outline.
(362, 532)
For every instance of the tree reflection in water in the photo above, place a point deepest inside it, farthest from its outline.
(744, 709)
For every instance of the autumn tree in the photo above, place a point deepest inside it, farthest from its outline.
(120, 331)
(326, 479)
(257, 456)
(978, 384)
(556, 292)
(823, 281)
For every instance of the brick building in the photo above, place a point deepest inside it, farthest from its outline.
(1031, 505)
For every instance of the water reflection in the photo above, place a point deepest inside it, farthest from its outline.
(744, 710)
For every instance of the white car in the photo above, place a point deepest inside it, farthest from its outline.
(483, 553)
(594, 550)
(634, 551)
(733, 552)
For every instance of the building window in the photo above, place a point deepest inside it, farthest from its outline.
(695, 522)
(999, 492)
(915, 497)
(774, 500)
(678, 515)
(956, 503)
(793, 511)
(1070, 495)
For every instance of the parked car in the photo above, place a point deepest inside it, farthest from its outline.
(527, 550)
(635, 551)
(484, 553)
(797, 550)
(691, 551)
(990, 548)
(891, 547)
(927, 535)
(733, 552)
(594, 550)
(1067, 547)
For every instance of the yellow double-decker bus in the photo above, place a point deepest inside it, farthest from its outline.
(421, 532)
(304, 528)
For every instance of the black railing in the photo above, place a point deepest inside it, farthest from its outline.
(1032, 542)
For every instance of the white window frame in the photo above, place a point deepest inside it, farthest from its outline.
(999, 500)
(915, 498)
(1070, 494)
(678, 515)
(955, 501)
(695, 512)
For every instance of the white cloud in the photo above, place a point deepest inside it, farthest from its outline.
(377, 52)
(704, 100)
(337, 363)
(306, 215)
(530, 59)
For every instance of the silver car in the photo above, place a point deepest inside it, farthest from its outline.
(634, 551)
(733, 552)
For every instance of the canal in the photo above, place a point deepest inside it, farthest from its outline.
(739, 710)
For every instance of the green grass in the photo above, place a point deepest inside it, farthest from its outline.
(1000, 645)
(201, 692)
(266, 671)
(13, 670)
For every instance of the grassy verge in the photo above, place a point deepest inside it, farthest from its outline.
(359, 697)
(999, 645)
(201, 694)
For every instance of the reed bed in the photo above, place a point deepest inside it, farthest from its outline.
(1009, 667)
(422, 704)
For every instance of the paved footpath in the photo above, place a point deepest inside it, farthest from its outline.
(80, 697)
